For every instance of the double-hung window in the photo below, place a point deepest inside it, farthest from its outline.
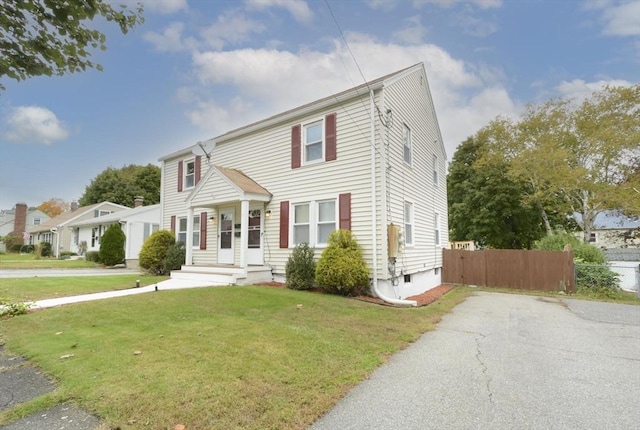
(435, 170)
(189, 174)
(313, 222)
(182, 231)
(436, 228)
(312, 140)
(406, 144)
(408, 223)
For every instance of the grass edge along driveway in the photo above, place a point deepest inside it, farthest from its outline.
(215, 358)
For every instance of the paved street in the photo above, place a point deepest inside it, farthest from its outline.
(503, 361)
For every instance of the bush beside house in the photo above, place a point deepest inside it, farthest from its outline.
(341, 268)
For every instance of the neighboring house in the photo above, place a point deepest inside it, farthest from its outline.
(370, 159)
(625, 262)
(19, 220)
(613, 230)
(60, 235)
(137, 224)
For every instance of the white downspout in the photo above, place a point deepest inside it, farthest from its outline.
(374, 217)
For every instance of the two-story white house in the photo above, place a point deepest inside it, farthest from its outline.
(370, 159)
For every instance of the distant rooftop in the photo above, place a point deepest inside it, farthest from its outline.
(612, 220)
(622, 254)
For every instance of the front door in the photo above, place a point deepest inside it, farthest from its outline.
(225, 236)
(254, 251)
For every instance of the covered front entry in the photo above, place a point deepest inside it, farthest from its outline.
(234, 205)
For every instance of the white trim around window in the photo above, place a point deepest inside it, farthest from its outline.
(406, 144)
(189, 174)
(408, 224)
(435, 170)
(312, 221)
(313, 141)
(181, 230)
(436, 228)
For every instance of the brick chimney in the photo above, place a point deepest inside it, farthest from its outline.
(20, 220)
(139, 201)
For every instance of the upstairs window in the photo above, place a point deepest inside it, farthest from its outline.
(189, 174)
(435, 170)
(313, 142)
(406, 144)
(36, 221)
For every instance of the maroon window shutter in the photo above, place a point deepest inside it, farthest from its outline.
(198, 167)
(284, 224)
(203, 230)
(345, 211)
(296, 151)
(179, 176)
(173, 224)
(330, 150)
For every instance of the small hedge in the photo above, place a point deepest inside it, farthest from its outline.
(93, 256)
(175, 258)
(112, 246)
(301, 268)
(341, 268)
(154, 252)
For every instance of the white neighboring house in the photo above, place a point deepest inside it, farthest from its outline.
(137, 224)
(614, 230)
(369, 159)
(60, 235)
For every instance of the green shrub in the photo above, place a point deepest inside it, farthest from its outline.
(557, 242)
(175, 258)
(93, 256)
(13, 242)
(154, 252)
(27, 249)
(112, 246)
(588, 254)
(341, 268)
(45, 249)
(596, 280)
(301, 268)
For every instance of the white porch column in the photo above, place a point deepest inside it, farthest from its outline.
(244, 232)
(189, 240)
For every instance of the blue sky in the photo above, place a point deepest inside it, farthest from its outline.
(198, 68)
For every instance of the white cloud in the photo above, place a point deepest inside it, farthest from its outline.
(580, 90)
(165, 6)
(268, 81)
(298, 8)
(34, 124)
(170, 40)
(413, 33)
(230, 27)
(484, 4)
(622, 19)
(475, 26)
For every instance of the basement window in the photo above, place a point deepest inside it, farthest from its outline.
(407, 279)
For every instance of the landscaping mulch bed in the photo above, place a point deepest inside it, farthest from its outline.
(423, 299)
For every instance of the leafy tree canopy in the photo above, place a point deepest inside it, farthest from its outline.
(54, 207)
(51, 37)
(123, 185)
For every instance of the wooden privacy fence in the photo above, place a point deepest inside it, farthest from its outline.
(510, 268)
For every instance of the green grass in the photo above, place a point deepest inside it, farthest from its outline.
(38, 288)
(29, 261)
(214, 358)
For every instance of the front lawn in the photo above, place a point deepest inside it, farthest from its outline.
(38, 288)
(213, 358)
(29, 261)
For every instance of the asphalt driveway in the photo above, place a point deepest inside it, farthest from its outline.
(502, 361)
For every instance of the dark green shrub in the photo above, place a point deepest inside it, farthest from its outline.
(341, 268)
(154, 251)
(13, 242)
(175, 258)
(46, 249)
(112, 246)
(588, 254)
(27, 249)
(596, 280)
(581, 251)
(93, 256)
(301, 268)
(64, 254)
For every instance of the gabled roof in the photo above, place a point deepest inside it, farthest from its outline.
(333, 99)
(622, 254)
(66, 217)
(233, 181)
(122, 215)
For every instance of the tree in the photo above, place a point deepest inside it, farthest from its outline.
(485, 204)
(51, 37)
(54, 207)
(112, 246)
(123, 185)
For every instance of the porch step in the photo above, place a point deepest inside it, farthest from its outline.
(223, 275)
